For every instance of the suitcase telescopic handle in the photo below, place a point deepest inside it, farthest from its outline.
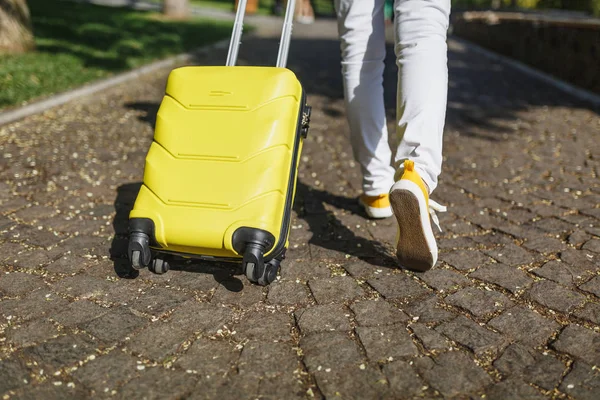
(284, 43)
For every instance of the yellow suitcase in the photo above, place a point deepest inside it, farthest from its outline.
(220, 175)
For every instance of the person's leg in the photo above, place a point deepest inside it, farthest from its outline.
(361, 29)
(421, 28)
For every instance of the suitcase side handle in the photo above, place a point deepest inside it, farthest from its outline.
(284, 43)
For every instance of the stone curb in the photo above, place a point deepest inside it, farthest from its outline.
(65, 97)
(575, 91)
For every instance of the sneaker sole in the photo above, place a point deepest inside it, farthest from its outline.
(416, 248)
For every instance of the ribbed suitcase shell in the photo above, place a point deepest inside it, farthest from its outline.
(224, 156)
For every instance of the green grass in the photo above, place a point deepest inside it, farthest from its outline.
(321, 7)
(77, 43)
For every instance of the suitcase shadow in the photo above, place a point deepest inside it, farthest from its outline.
(331, 233)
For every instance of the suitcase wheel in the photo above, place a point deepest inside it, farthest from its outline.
(159, 266)
(139, 252)
(261, 273)
(257, 271)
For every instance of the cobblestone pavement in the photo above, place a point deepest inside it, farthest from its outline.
(511, 311)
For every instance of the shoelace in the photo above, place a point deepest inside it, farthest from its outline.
(433, 207)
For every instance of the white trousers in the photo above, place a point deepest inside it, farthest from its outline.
(421, 56)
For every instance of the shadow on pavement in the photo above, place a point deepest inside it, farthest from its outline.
(330, 233)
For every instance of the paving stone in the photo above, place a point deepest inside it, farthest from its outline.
(560, 272)
(556, 297)
(362, 270)
(398, 286)
(578, 238)
(32, 259)
(524, 325)
(332, 317)
(79, 312)
(579, 342)
(472, 335)
(544, 244)
(265, 326)
(590, 312)
(83, 287)
(50, 391)
(317, 351)
(31, 333)
(592, 286)
(377, 312)
(541, 369)
(229, 387)
(581, 260)
(242, 293)
(159, 383)
(583, 382)
(64, 351)
(69, 265)
(107, 372)
(87, 245)
(512, 389)
(428, 310)
(430, 339)
(404, 380)
(592, 245)
(209, 357)
(191, 279)
(207, 318)
(159, 301)
(18, 283)
(452, 373)
(492, 239)
(384, 342)
(158, 340)
(511, 255)
(348, 382)
(114, 326)
(267, 359)
(465, 260)
(288, 293)
(335, 290)
(479, 302)
(281, 387)
(461, 242)
(303, 270)
(510, 278)
(444, 280)
(37, 304)
(593, 231)
(10, 251)
(461, 227)
(14, 374)
(553, 225)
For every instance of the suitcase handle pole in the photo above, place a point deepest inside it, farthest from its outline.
(236, 35)
(286, 34)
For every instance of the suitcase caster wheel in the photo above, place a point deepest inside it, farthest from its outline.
(136, 259)
(159, 266)
(139, 252)
(263, 274)
(270, 272)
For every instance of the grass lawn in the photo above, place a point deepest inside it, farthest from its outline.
(321, 7)
(77, 43)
